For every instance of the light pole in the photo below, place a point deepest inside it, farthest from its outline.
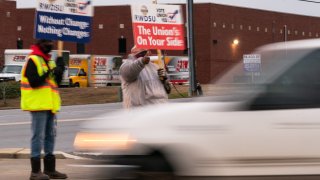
(191, 52)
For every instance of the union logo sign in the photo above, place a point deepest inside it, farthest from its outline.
(144, 10)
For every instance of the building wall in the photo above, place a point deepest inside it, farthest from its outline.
(7, 26)
(105, 41)
(215, 27)
(252, 28)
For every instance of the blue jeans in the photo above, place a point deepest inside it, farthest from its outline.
(43, 133)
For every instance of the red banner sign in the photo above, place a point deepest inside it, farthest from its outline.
(158, 27)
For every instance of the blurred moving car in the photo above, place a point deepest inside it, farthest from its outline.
(266, 121)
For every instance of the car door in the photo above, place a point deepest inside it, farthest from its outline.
(289, 112)
(275, 133)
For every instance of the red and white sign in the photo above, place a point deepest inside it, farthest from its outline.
(158, 26)
(100, 64)
(19, 58)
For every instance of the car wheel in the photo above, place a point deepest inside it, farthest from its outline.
(154, 168)
(151, 167)
(154, 176)
(76, 85)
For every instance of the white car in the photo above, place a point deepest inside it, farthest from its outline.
(264, 121)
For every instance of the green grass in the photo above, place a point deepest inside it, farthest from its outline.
(77, 96)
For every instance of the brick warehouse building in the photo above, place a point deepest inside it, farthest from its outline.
(215, 28)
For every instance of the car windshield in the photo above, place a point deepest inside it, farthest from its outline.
(15, 69)
(73, 71)
(252, 74)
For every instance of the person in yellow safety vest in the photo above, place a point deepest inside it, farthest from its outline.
(40, 78)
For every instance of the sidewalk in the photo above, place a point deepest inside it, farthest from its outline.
(24, 153)
(19, 169)
(15, 165)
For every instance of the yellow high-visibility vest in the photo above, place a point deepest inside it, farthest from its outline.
(45, 97)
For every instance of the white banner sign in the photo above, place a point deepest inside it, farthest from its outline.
(72, 7)
(252, 62)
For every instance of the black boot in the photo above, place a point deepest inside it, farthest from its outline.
(36, 173)
(50, 168)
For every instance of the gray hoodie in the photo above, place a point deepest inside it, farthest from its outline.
(140, 83)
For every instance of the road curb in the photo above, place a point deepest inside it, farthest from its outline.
(24, 153)
(9, 153)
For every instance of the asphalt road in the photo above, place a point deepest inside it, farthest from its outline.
(15, 133)
(19, 169)
(15, 127)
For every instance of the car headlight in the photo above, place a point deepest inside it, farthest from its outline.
(85, 141)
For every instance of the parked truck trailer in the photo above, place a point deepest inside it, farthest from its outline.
(105, 70)
(14, 59)
(177, 68)
(78, 70)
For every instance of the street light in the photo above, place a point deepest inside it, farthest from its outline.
(235, 42)
(235, 47)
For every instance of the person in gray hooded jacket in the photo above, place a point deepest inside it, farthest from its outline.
(142, 82)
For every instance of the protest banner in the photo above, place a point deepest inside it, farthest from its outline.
(158, 26)
(64, 20)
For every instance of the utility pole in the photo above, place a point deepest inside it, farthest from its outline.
(285, 33)
(273, 30)
(191, 52)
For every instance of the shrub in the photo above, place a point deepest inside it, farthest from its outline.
(10, 89)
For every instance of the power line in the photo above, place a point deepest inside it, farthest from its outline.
(309, 1)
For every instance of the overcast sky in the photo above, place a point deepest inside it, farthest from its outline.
(287, 6)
